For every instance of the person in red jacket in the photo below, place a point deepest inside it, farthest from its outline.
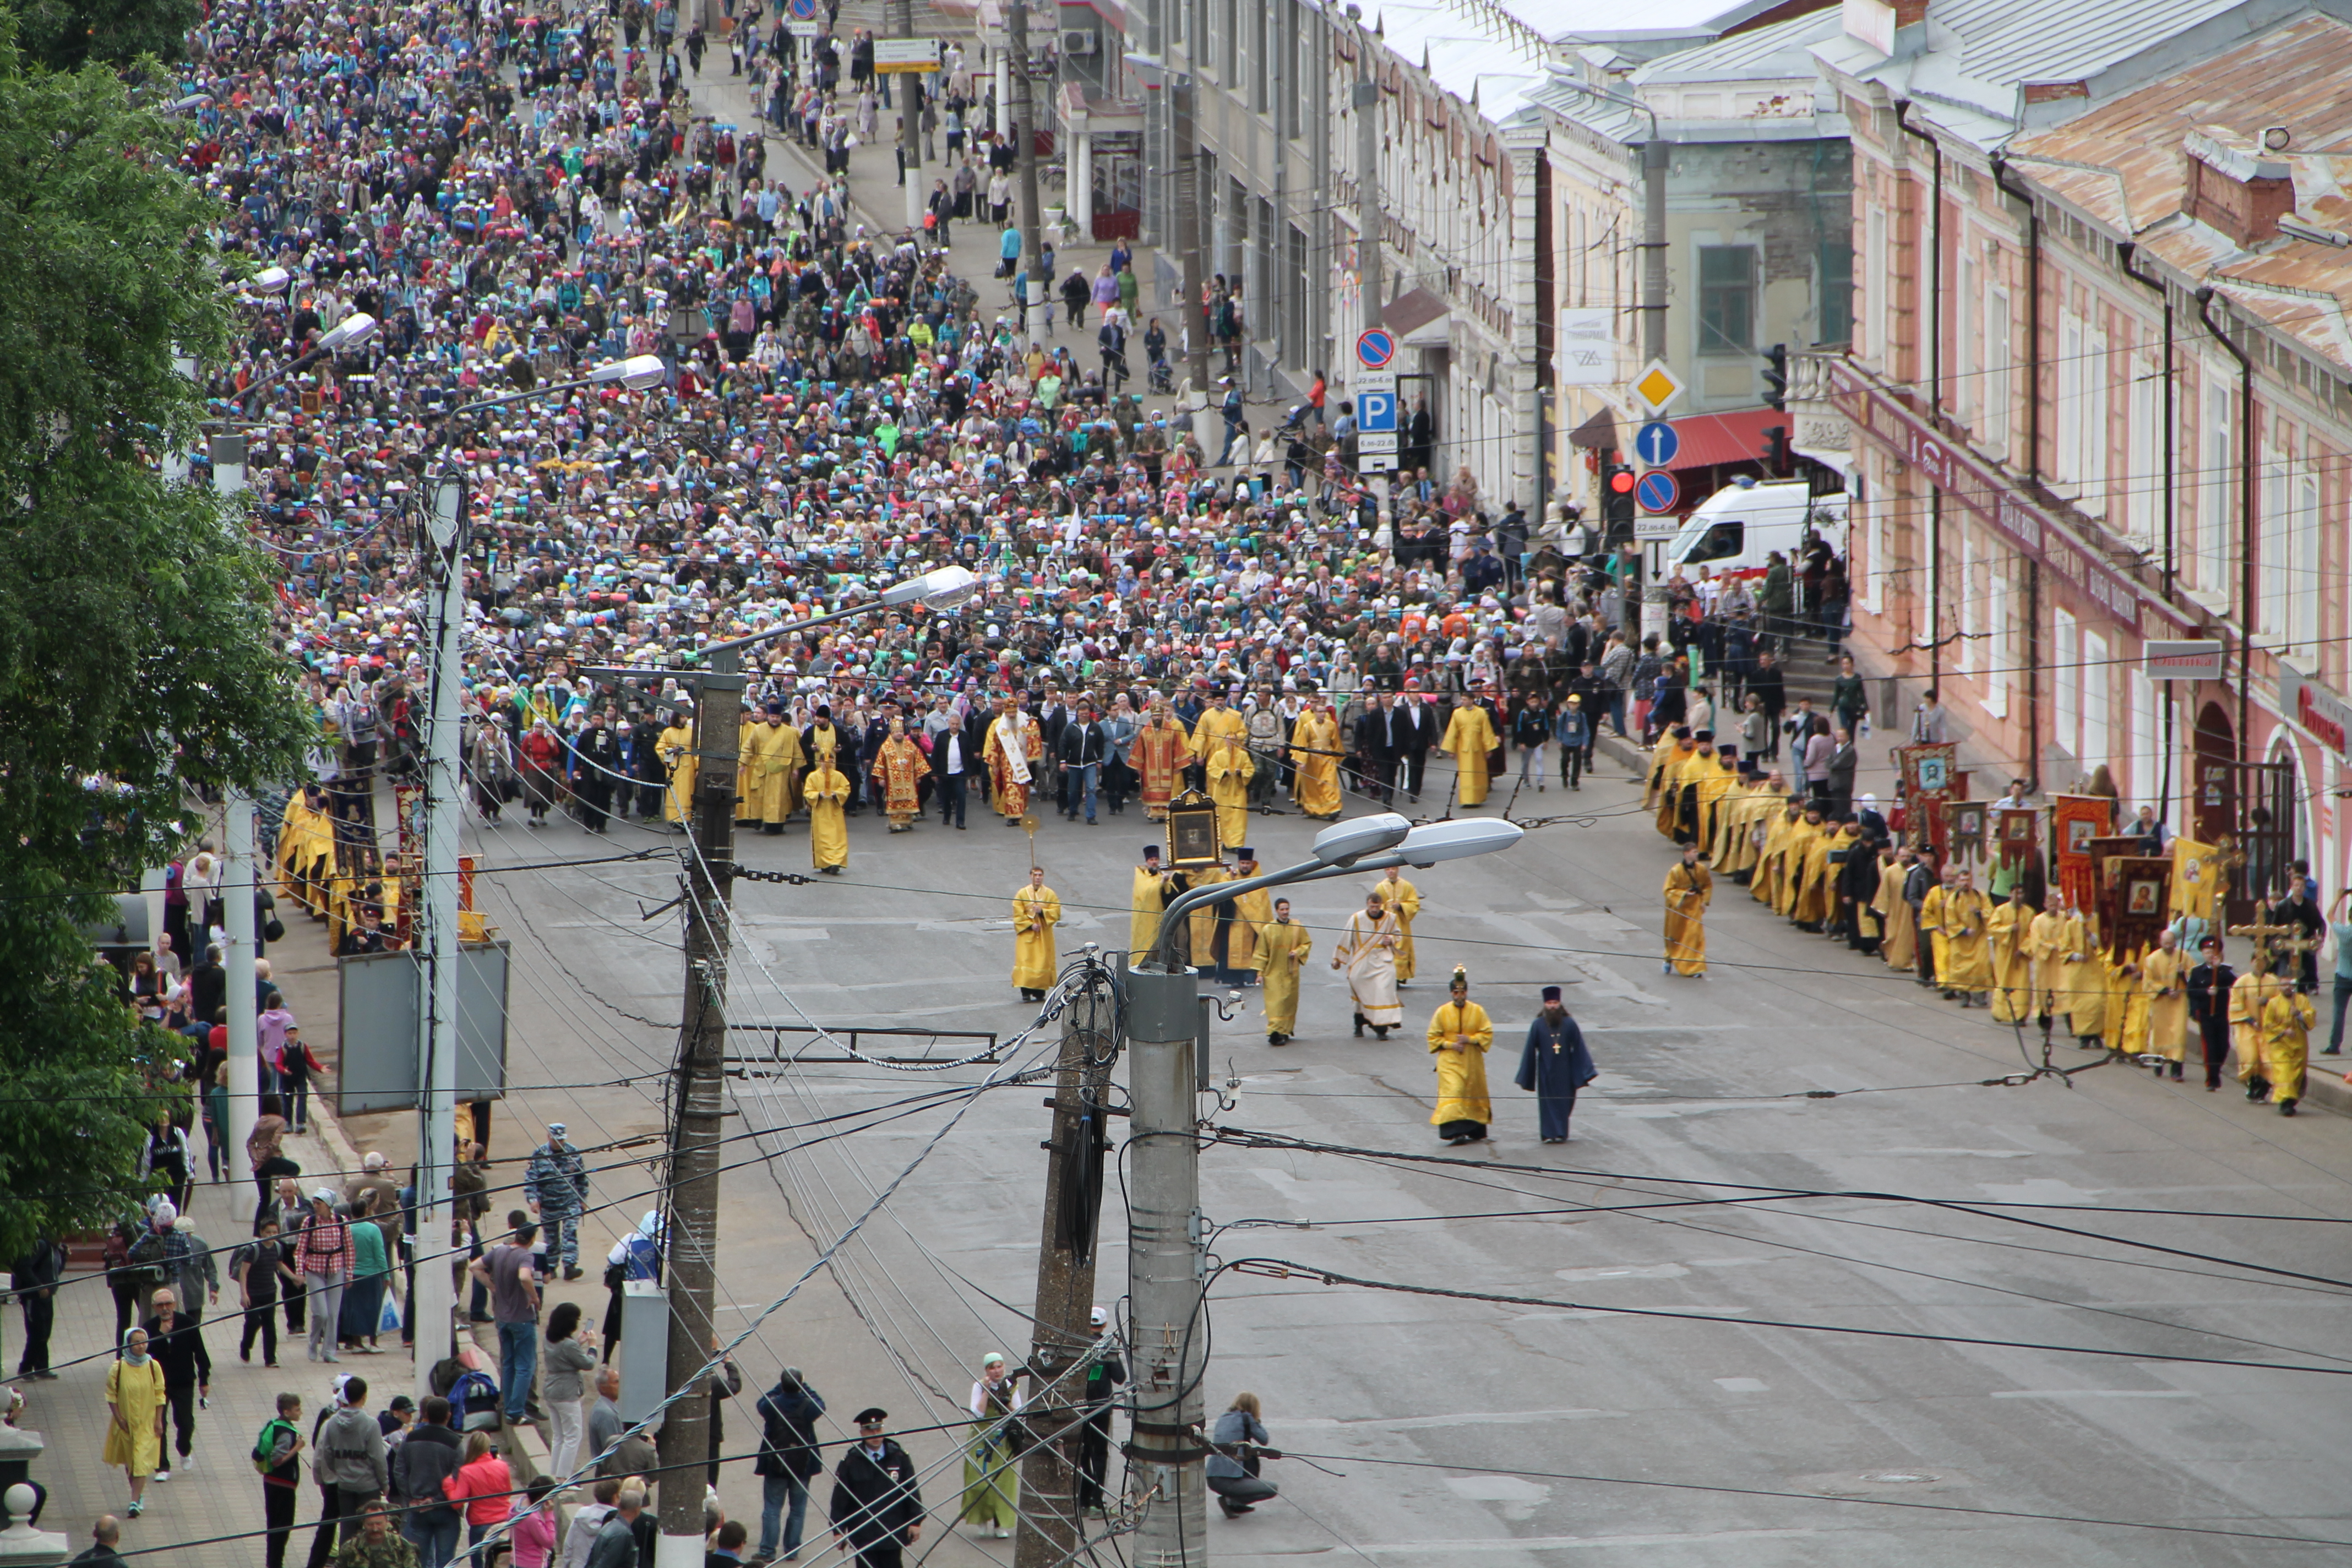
(483, 1486)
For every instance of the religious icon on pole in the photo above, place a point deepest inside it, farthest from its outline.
(1192, 832)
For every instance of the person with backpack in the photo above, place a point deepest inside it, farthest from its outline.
(278, 1459)
(425, 1460)
(788, 1461)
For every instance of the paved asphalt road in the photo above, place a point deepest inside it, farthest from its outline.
(1468, 1431)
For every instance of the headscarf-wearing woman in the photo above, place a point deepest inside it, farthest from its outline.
(991, 1485)
(134, 1404)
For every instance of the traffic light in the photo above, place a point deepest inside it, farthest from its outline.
(1776, 448)
(1617, 480)
(1776, 376)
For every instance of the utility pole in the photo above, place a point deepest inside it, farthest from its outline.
(1052, 1522)
(1024, 154)
(693, 1228)
(911, 145)
(1657, 160)
(244, 1064)
(1188, 222)
(1165, 1269)
(447, 526)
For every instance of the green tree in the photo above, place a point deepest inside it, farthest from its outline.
(136, 661)
(66, 35)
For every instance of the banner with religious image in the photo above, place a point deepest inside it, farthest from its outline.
(2198, 879)
(2075, 821)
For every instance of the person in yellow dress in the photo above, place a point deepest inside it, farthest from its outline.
(1900, 947)
(134, 1407)
(675, 748)
(826, 791)
(1284, 947)
(771, 763)
(2010, 928)
(1148, 898)
(1470, 737)
(1036, 910)
(1250, 910)
(1954, 915)
(899, 768)
(2042, 944)
(2250, 1001)
(1459, 1036)
(1221, 745)
(1012, 750)
(1314, 756)
(1688, 887)
(2286, 1023)
(1664, 791)
(2081, 993)
(1403, 901)
(2164, 975)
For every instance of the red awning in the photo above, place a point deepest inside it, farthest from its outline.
(1738, 438)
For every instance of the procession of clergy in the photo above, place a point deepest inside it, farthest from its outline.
(1840, 873)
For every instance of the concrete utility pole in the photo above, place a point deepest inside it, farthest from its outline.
(1052, 1522)
(1365, 101)
(910, 143)
(447, 527)
(1188, 230)
(693, 1228)
(1164, 1270)
(244, 1063)
(1024, 156)
(1657, 160)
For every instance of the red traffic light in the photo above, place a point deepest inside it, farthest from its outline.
(1621, 481)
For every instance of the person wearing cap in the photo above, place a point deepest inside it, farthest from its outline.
(1106, 1373)
(1553, 1064)
(771, 763)
(1283, 948)
(1368, 951)
(876, 1511)
(1036, 910)
(323, 1255)
(1460, 1034)
(556, 1185)
(1158, 754)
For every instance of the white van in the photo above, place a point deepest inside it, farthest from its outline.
(1735, 529)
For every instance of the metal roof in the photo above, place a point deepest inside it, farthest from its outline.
(2122, 163)
(2008, 41)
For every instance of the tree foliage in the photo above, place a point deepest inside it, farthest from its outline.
(66, 35)
(136, 661)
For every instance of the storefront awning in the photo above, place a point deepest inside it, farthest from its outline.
(1417, 318)
(1708, 439)
(1598, 434)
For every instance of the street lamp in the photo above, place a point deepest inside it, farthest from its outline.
(356, 328)
(1167, 1027)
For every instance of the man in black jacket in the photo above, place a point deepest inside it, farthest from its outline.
(955, 760)
(1375, 760)
(1764, 683)
(1084, 747)
(877, 1507)
(2208, 1007)
(789, 1459)
(1412, 732)
(34, 1280)
(425, 1459)
(596, 762)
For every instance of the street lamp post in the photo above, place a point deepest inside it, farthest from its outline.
(1167, 1235)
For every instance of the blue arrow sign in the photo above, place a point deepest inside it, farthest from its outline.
(1376, 412)
(1657, 490)
(1656, 444)
(1375, 347)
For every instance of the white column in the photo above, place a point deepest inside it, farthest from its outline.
(1081, 193)
(244, 1065)
(1005, 88)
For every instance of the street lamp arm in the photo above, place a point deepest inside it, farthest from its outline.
(1224, 893)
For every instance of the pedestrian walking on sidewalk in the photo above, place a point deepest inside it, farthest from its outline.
(322, 1255)
(352, 1467)
(556, 1185)
(134, 1407)
(278, 1454)
(177, 1344)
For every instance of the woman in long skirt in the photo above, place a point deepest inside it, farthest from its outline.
(991, 1485)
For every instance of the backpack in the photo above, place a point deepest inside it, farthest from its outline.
(475, 1397)
(267, 1443)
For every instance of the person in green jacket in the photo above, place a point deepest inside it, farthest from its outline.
(1773, 599)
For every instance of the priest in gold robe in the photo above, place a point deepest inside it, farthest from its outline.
(1036, 910)
(1283, 948)
(1460, 1035)
(1688, 889)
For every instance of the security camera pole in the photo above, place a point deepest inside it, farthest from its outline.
(1167, 1254)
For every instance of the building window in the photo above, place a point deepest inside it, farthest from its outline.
(1873, 224)
(1294, 315)
(1726, 298)
(2210, 554)
(1837, 292)
(2068, 682)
